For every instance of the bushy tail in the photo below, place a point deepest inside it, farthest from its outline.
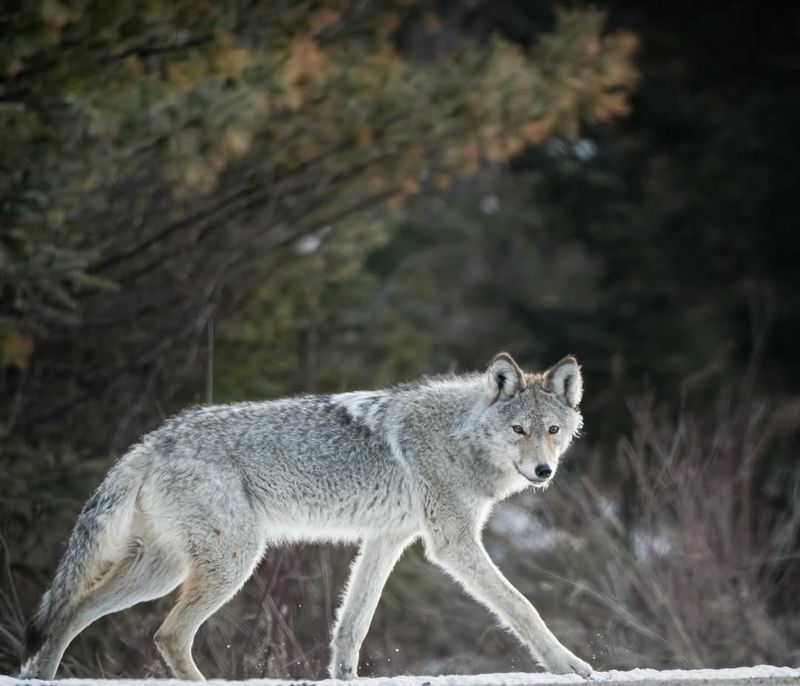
(99, 536)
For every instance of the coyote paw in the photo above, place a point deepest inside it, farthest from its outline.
(564, 662)
(343, 671)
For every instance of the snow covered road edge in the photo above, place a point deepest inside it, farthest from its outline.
(744, 676)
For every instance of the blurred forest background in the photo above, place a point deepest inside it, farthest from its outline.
(207, 201)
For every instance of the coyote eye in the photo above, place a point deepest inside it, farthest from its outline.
(518, 429)
(553, 429)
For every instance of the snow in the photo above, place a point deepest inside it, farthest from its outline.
(747, 676)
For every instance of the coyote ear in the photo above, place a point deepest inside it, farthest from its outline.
(565, 380)
(504, 378)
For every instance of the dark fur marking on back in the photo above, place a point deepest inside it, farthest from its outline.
(342, 416)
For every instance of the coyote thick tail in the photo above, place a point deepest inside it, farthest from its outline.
(98, 538)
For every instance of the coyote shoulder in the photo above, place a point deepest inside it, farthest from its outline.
(197, 502)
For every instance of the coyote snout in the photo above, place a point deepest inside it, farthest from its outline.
(541, 473)
(198, 501)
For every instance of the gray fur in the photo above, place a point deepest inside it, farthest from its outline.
(198, 501)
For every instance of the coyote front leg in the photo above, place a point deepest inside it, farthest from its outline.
(467, 561)
(370, 570)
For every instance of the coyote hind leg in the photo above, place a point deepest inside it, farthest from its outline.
(145, 573)
(212, 581)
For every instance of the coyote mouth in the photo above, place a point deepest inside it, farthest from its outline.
(533, 479)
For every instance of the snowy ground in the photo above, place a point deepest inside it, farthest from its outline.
(741, 676)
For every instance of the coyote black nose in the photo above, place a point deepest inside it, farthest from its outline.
(543, 471)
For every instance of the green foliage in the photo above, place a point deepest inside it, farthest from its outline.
(122, 125)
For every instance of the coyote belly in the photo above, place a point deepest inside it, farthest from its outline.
(197, 502)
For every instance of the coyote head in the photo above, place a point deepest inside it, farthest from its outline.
(529, 420)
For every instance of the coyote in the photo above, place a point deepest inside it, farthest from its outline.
(197, 502)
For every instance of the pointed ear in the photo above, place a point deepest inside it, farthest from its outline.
(504, 378)
(565, 380)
